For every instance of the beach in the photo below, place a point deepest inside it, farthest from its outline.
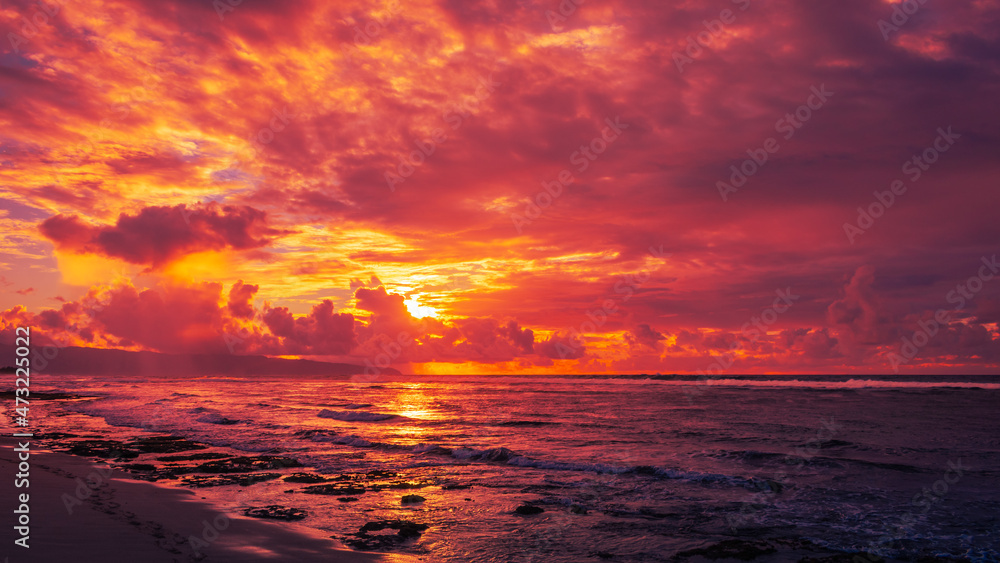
(125, 520)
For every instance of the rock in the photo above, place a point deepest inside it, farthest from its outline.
(528, 510)
(455, 487)
(167, 473)
(54, 436)
(305, 478)
(243, 480)
(194, 457)
(347, 499)
(165, 444)
(275, 512)
(337, 490)
(412, 499)
(379, 474)
(365, 540)
(144, 467)
(242, 464)
(101, 448)
(397, 485)
(405, 527)
(577, 509)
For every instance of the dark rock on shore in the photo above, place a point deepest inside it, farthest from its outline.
(243, 464)
(275, 512)
(412, 499)
(337, 490)
(528, 510)
(368, 541)
(101, 448)
(164, 445)
(120, 451)
(455, 487)
(305, 478)
(405, 527)
(243, 480)
(55, 436)
(397, 485)
(138, 467)
(374, 474)
(194, 457)
(166, 473)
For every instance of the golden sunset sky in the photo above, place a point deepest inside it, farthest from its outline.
(314, 179)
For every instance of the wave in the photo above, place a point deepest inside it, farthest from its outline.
(356, 416)
(512, 458)
(215, 418)
(833, 385)
(430, 451)
(522, 423)
(506, 456)
(317, 435)
(826, 444)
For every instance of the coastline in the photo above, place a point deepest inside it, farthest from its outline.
(124, 519)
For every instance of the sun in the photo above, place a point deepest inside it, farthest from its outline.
(420, 311)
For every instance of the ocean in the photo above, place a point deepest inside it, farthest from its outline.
(623, 469)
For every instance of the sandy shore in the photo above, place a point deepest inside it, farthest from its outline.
(124, 520)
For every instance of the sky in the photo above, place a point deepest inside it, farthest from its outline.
(507, 186)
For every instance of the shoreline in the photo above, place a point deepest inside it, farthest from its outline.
(124, 519)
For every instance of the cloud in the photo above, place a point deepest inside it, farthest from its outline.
(322, 331)
(158, 235)
(561, 347)
(171, 318)
(859, 310)
(643, 335)
(118, 152)
(241, 300)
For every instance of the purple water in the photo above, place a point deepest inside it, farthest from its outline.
(658, 466)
